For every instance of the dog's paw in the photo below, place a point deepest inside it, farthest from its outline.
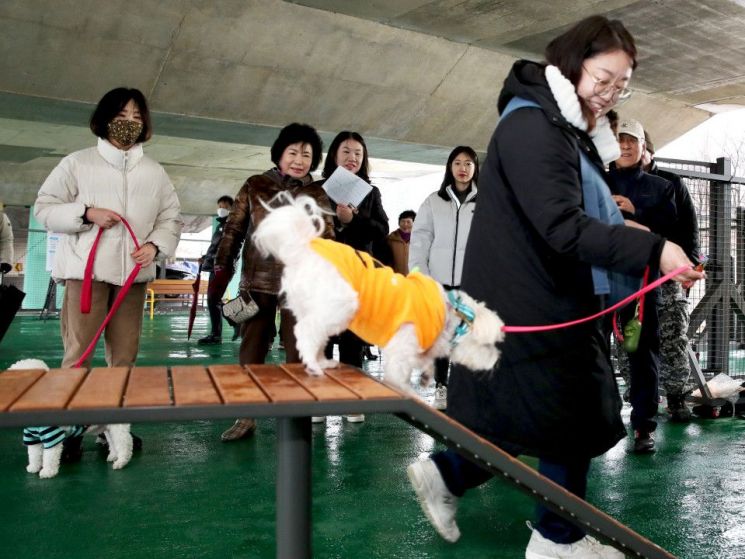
(47, 473)
(111, 456)
(120, 463)
(33, 469)
(314, 369)
(329, 364)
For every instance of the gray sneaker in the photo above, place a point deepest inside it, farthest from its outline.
(241, 429)
(437, 502)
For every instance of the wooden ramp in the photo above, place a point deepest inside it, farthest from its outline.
(287, 392)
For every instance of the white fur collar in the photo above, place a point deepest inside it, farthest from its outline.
(566, 98)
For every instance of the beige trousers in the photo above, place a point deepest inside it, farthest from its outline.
(122, 334)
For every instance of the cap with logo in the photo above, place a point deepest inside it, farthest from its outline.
(632, 128)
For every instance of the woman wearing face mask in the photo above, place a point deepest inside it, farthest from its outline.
(97, 187)
(296, 152)
(360, 227)
(438, 240)
(539, 253)
(207, 263)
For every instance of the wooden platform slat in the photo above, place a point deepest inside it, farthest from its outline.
(15, 383)
(235, 386)
(361, 384)
(51, 392)
(278, 385)
(148, 386)
(323, 388)
(193, 386)
(101, 388)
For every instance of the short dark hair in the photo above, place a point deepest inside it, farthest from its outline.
(112, 103)
(648, 141)
(406, 214)
(297, 133)
(613, 119)
(329, 166)
(225, 199)
(591, 36)
(449, 179)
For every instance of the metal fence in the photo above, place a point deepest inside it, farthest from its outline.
(717, 325)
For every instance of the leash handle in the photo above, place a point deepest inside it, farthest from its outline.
(86, 294)
(626, 301)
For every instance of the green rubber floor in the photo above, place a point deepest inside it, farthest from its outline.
(187, 495)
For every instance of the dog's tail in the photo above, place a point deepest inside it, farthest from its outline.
(290, 224)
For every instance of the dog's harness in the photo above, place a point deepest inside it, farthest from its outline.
(466, 314)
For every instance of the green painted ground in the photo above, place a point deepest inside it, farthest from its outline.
(187, 495)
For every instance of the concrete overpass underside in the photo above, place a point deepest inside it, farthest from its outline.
(416, 77)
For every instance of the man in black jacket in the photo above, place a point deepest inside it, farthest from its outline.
(673, 305)
(649, 201)
(214, 304)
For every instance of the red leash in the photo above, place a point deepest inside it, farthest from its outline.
(626, 301)
(87, 290)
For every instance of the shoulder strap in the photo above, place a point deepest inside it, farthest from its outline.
(519, 103)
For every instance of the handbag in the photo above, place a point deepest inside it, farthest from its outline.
(240, 309)
(10, 301)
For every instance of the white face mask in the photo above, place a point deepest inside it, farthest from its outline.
(223, 212)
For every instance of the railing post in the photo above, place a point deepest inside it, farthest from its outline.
(720, 219)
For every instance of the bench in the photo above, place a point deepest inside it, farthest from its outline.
(287, 392)
(161, 288)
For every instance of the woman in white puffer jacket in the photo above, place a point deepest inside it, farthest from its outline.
(94, 187)
(438, 240)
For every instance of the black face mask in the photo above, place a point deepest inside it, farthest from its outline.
(125, 132)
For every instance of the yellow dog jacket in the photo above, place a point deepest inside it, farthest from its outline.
(386, 299)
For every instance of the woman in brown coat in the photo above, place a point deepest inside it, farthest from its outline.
(296, 152)
(398, 242)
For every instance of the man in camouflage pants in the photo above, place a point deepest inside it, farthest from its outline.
(672, 304)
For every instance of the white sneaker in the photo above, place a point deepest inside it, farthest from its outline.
(318, 419)
(441, 397)
(355, 418)
(437, 502)
(586, 548)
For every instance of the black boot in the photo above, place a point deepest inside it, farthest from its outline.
(72, 450)
(679, 412)
(210, 340)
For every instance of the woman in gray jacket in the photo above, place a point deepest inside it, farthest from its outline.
(438, 240)
(99, 186)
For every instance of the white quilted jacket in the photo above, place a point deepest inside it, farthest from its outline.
(127, 182)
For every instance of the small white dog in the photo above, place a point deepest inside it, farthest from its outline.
(45, 443)
(330, 287)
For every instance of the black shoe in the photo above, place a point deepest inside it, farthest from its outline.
(236, 334)
(210, 340)
(643, 443)
(72, 450)
(679, 412)
(367, 354)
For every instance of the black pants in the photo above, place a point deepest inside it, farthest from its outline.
(442, 364)
(214, 307)
(258, 332)
(644, 366)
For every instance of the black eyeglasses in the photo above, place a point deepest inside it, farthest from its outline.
(602, 87)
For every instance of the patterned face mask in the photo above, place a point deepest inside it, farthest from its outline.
(125, 132)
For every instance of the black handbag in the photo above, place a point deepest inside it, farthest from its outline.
(10, 301)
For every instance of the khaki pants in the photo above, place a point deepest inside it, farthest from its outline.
(122, 334)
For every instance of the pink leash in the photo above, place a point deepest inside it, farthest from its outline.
(626, 301)
(87, 291)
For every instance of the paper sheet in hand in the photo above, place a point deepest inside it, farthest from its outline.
(344, 187)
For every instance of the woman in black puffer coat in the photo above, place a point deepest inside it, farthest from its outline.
(530, 256)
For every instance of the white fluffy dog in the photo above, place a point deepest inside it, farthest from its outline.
(330, 287)
(45, 443)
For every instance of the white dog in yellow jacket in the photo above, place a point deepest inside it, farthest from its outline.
(331, 287)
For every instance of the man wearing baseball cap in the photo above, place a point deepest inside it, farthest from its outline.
(675, 370)
(648, 201)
